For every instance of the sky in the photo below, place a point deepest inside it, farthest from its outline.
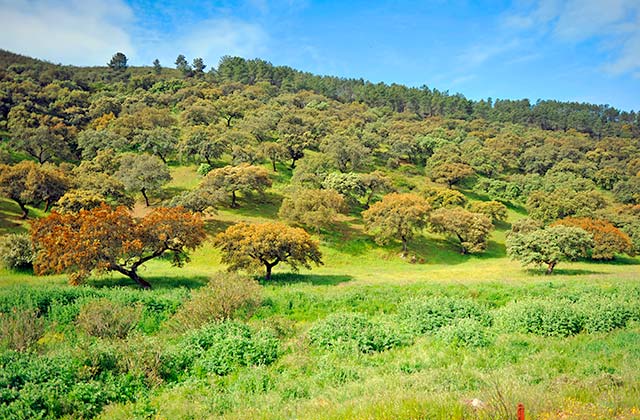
(572, 50)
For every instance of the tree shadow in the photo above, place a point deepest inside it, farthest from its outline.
(618, 260)
(259, 205)
(283, 279)
(157, 282)
(541, 272)
(215, 226)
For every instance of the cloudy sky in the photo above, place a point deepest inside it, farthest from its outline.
(577, 50)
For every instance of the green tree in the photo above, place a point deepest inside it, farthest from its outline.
(160, 141)
(450, 173)
(470, 229)
(375, 183)
(248, 246)
(118, 62)
(494, 209)
(312, 208)
(142, 173)
(198, 67)
(549, 246)
(157, 67)
(234, 179)
(206, 143)
(275, 152)
(183, 65)
(396, 216)
(346, 153)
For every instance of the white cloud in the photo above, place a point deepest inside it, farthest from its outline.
(83, 32)
(226, 36)
(614, 23)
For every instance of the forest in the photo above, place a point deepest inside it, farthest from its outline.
(253, 241)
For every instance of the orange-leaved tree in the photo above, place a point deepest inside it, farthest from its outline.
(110, 239)
(248, 246)
(608, 240)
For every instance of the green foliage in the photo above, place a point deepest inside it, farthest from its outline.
(312, 208)
(470, 229)
(466, 332)
(429, 315)
(224, 347)
(355, 331)
(142, 173)
(16, 251)
(559, 318)
(20, 328)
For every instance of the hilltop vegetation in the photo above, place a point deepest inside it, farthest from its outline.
(374, 229)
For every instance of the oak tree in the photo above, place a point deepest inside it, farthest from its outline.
(110, 239)
(312, 208)
(248, 246)
(142, 173)
(470, 229)
(234, 179)
(396, 216)
(607, 239)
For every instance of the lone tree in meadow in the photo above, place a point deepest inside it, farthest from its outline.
(248, 246)
(397, 216)
(243, 178)
(313, 208)
(549, 245)
(470, 229)
(142, 173)
(110, 239)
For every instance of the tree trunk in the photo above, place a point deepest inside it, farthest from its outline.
(234, 203)
(162, 158)
(144, 194)
(550, 267)
(47, 204)
(25, 210)
(273, 162)
(404, 247)
(141, 282)
(293, 163)
(267, 276)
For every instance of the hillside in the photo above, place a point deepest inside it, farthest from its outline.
(426, 209)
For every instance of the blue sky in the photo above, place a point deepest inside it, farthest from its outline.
(578, 50)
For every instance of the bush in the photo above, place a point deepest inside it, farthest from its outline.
(424, 316)
(204, 169)
(553, 318)
(356, 331)
(465, 332)
(16, 251)
(225, 346)
(225, 297)
(106, 319)
(603, 315)
(20, 328)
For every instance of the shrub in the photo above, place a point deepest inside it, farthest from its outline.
(554, 318)
(106, 319)
(225, 346)
(227, 295)
(465, 332)
(356, 331)
(20, 328)
(603, 315)
(16, 251)
(424, 316)
(204, 169)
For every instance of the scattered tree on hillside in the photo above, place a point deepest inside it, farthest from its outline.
(346, 153)
(549, 245)
(450, 173)
(375, 183)
(607, 239)
(198, 67)
(183, 65)
(312, 208)
(143, 173)
(207, 143)
(157, 67)
(494, 209)
(42, 143)
(118, 62)
(563, 202)
(445, 197)
(234, 179)
(397, 216)
(109, 239)
(470, 229)
(160, 141)
(275, 152)
(248, 246)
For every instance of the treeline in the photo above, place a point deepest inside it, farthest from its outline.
(596, 120)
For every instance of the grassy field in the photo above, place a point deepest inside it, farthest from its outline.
(566, 345)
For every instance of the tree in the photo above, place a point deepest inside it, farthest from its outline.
(347, 153)
(607, 239)
(275, 152)
(110, 239)
(312, 208)
(375, 183)
(42, 143)
(348, 184)
(450, 173)
(234, 179)
(494, 209)
(549, 245)
(160, 141)
(198, 67)
(445, 197)
(397, 216)
(27, 183)
(118, 62)
(471, 229)
(157, 68)
(247, 246)
(183, 65)
(563, 202)
(142, 173)
(92, 141)
(207, 143)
